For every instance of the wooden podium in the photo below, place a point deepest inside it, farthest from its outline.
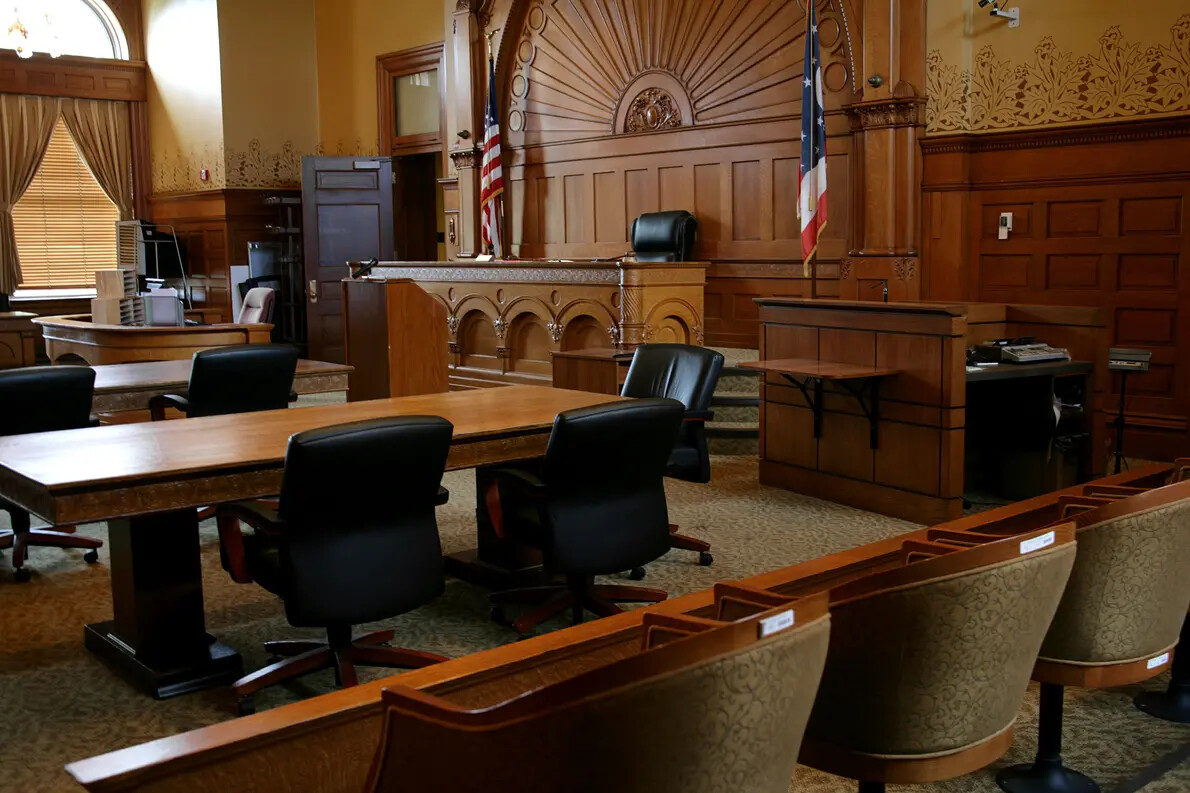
(395, 335)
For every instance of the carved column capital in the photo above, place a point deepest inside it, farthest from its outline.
(466, 158)
(908, 111)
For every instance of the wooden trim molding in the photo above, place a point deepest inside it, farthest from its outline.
(72, 76)
(398, 64)
(1079, 135)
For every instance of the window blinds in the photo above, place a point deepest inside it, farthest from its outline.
(65, 225)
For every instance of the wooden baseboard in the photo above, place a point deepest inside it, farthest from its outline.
(871, 496)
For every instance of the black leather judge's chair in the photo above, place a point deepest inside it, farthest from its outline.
(239, 379)
(594, 505)
(688, 374)
(341, 559)
(43, 399)
(664, 236)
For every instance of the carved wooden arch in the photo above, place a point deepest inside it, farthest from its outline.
(590, 308)
(839, 37)
(536, 306)
(680, 310)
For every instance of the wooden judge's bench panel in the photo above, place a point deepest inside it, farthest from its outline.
(917, 470)
(505, 319)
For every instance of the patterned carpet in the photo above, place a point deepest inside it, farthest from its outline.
(58, 703)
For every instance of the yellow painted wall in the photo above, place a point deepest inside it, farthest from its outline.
(185, 97)
(351, 33)
(1069, 62)
(270, 90)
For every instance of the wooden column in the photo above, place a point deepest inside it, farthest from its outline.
(887, 122)
(468, 91)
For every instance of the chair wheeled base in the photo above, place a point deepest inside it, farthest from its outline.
(340, 652)
(579, 594)
(20, 538)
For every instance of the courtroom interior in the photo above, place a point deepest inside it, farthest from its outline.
(551, 396)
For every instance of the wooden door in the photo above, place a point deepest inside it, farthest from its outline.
(347, 215)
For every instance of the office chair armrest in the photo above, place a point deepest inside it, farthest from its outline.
(159, 403)
(699, 415)
(229, 517)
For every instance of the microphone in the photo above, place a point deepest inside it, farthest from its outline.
(365, 268)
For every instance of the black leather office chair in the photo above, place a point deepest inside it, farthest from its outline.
(342, 558)
(595, 505)
(688, 374)
(43, 399)
(664, 236)
(239, 379)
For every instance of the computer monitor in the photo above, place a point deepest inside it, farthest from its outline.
(264, 259)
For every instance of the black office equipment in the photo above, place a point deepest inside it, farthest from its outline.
(664, 236)
(1125, 362)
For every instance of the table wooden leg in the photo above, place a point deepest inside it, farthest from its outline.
(158, 636)
(499, 562)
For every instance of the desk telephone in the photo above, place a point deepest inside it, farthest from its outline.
(1022, 350)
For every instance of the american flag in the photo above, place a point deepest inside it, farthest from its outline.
(491, 181)
(811, 192)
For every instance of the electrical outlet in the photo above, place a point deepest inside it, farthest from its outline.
(204, 175)
(1005, 225)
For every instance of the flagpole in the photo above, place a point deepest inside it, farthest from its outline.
(806, 271)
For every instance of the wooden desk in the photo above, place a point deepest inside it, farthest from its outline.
(916, 471)
(108, 344)
(147, 480)
(130, 386)
(286, 750)
(598, 369)
(18, 339)
(807, 374)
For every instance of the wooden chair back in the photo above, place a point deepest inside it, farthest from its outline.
(704, 706)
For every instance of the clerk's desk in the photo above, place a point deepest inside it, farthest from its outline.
(100, 344)
(147, 480)
(915, 469)
(326, 743)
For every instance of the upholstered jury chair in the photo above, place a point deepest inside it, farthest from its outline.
(338, 560)
(594, 505)
(688, 374)
(43, 399)
(928, 662)
(240, 379)
(257, 306)
(718, 710)
(1118, 622)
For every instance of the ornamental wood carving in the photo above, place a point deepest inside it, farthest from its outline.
(573, 63)
(652, 110)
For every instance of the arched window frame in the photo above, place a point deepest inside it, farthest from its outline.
(111, 24)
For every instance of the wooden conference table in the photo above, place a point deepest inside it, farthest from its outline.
(130, 386)
(147, 481)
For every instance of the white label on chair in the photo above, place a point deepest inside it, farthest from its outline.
(776, 623)
(1037, 543)
(1160, 660)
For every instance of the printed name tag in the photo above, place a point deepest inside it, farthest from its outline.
(1037, 543)
(1158, 661)
(776, 623)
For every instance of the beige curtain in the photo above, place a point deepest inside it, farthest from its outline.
(26, 123)
(103, 134)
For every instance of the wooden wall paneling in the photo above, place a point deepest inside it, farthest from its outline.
(1101, 214)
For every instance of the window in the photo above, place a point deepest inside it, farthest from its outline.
(65, 224)
(410, 100)
(64, 27)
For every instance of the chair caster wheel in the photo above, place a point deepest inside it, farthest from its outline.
(91, 556)
(20, 575)
(245, 707)
(497, 615)
(636, 573)
(705, 559)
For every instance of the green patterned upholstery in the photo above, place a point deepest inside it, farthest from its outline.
(1129, 591)
(731, 724)
(934, 667)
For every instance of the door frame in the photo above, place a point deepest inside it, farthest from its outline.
(399, 64)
